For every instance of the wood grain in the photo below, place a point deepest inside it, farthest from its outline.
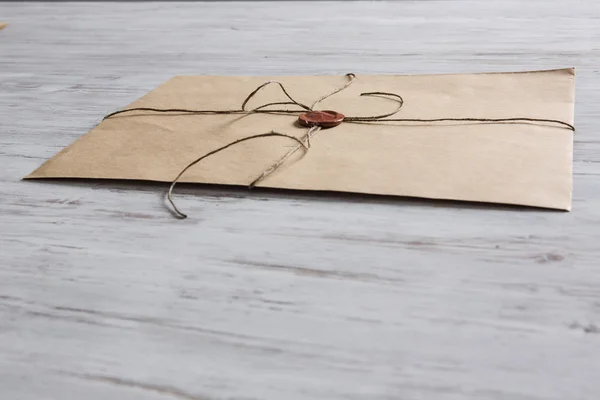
(286, 295)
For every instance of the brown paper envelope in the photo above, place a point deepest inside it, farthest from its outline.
(524, 163)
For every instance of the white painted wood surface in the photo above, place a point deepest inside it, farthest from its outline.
(103, 294)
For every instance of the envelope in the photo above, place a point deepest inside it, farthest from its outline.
(524, 163)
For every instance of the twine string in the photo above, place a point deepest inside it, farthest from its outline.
(482, 120)
(241, 110)
(282, 89)
(180, 214)
(394, 96)
(304, 141)
(351, 78)
(312, 131)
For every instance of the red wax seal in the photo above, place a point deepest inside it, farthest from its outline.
(324, 119)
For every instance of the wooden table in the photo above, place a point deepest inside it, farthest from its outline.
(103, 294)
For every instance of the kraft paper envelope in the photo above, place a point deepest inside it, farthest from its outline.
(513, 163)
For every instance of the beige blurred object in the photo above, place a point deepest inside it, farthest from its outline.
(512, 163)
(3, 25)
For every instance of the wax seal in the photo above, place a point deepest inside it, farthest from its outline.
(324, 119)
